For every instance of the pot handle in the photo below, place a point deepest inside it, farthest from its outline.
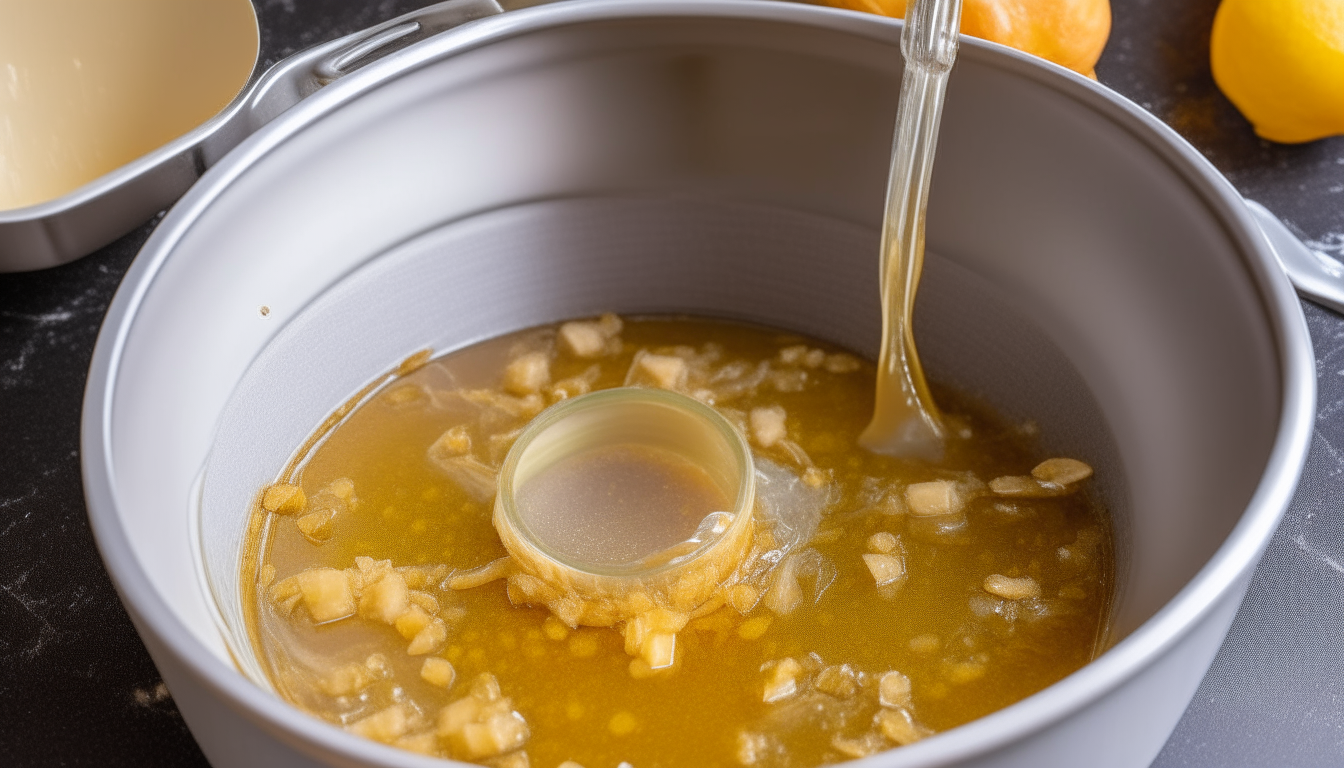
(295, 78)
(1314, 274)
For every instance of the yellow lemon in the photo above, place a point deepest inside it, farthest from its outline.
(1282, 63)
(1070, 33)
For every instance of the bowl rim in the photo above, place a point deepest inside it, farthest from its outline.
(1229, 567)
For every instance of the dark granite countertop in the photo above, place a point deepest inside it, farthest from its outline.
(78, 689)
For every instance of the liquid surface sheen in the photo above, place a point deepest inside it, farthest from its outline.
(618, 504)
(929, 594)
(87, 86)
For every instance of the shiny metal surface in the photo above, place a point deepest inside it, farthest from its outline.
(1314, 274)
(74, 224)
(723, 157)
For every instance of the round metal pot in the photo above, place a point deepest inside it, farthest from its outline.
(1088, 269)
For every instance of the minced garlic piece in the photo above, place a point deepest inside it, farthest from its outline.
(591, 338)
(894, 690)
(404, 395)
(937, 497)
(899, 726)
(659, 650)
(882, 543)
(582, 339)
(841, 363)
(483, 723)
(283, 499)
(412, 621)
(1052, 477)
(767, 425)
(327, 593)
(652, 636)
(782, 681)
(438, 672)
(886, 569)
(527, 374)
(425, 601)
(1061, 471)
(456, 441)
(342, 488)
(1020, 486)
(815, 478)
(838, 681)
(785, 593)
(429, 639)
(317, 527)
(386, 725)
(661, 371)
(793, 355)
(1012, 589)
(743, 598)
(863, 746)
(286, 595)
(964, 672)
(354, 677)
(386, 599)
(371, 570)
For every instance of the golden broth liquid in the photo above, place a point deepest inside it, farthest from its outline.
(374, 489)
(87, 86)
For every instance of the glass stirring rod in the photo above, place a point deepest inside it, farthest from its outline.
(906, 422)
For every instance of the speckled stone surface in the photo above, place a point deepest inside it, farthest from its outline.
(77, 688)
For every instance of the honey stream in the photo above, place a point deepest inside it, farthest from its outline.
(906, 421)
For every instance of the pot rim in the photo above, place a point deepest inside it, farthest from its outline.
(1229, 567)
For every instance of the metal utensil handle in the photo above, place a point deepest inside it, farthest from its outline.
(1314, 274)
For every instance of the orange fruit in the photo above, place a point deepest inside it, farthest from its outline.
(1071, 33)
